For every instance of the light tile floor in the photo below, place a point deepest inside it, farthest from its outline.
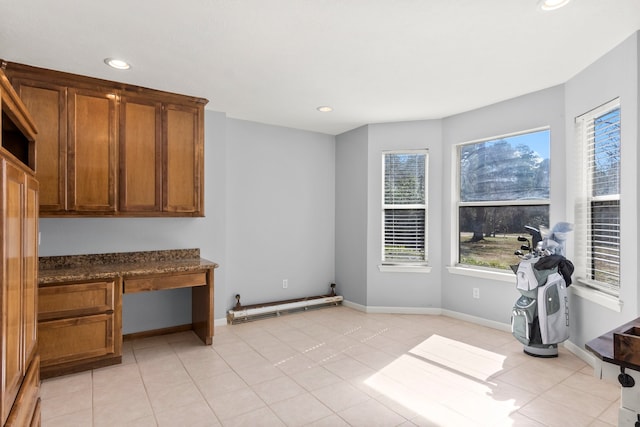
(334, 367)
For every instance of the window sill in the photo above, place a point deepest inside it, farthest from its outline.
(506, 276)
(398, 268)
(596, 296)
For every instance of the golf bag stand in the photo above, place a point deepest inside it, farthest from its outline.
(540, 317)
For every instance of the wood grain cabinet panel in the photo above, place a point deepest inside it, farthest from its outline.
(111, 149)
(47, 103)
(183, 150)
(140, 155)
(73, 300)
(79, 326)
(92, 163)
(19, 282)
(78, 338)
(164, 281)
(19, 381)
(26, 410)
(13, 297)
(30, 268)
(77, 146)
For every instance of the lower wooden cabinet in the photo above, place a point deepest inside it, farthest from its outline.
(26, 409)
(79, 326)
(19, 364)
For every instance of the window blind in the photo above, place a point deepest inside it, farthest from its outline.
(404, 207)
(600, 135)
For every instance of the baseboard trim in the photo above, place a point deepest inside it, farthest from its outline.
(505, 327)
(580, 353)
(430, 311)
(391, 310)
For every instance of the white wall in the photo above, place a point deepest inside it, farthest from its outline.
(614, 75)
(351, 215)
(280, 212)
(404, 290)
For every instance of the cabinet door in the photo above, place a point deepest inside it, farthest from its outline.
(75, 339)
(26, 410)
(140, 155)
(183, 151)
(30, 265)
(47, 104)
(92, 120)
(12, 291)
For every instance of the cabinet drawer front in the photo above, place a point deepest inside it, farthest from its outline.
(167, 281)
(78, 299)
(74, 339)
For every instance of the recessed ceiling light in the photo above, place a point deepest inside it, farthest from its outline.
(552, 4)
(324, 109)
(118, 64)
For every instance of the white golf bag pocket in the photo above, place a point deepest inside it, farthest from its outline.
(522, 317)
(553, 310)
(526, 279)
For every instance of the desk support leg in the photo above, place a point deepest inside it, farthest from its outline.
(202, 309)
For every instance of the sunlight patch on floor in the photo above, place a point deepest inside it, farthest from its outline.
(457, 356)
(447, 383)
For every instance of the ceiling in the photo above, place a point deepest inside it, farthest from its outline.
(275, 61)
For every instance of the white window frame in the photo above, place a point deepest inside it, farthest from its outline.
(473, 270)
(393, 265)
(607, 294)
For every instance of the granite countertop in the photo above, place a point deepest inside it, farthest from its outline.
(602, 347)
(68, 268)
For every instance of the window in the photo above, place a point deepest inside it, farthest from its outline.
(404, 207)
(598, 211)
(503, 187)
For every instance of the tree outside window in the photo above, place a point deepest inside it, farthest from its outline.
(503, 186)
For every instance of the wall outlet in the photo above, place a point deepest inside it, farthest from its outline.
(476, 293)
(285, 284)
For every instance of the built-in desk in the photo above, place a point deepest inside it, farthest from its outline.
(80, 302)
(625, 372)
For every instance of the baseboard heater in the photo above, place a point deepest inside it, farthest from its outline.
(245, 313)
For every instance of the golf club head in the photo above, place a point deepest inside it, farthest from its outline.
(536, 236)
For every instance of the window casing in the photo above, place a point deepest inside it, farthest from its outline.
(503, 185)
(404, 207)
(598, 207)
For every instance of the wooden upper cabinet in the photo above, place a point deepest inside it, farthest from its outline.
(113, 149)
(140, 155)
(91, 151)
(183, 150)
(161, 157)
(47, 103)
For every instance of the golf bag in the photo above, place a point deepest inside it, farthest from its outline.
(540, 317)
